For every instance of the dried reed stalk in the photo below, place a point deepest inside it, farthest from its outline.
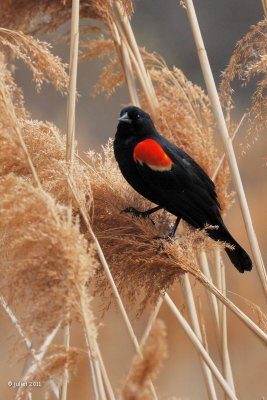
(143, 78)
(152, 318)
(66, 343)
(220, 163)
(223, 345)
(218, 113)
(74, 47)
(38, 357)
(105, 377)
(51, 366)
(125, 61)
(231, 306)
(199, 347)
(70, 139)
(264, 6)
(189, 298)
(227, 367)
(214, 305)
(214, 292)
(137, 59)
(93, 352)
(202, 323)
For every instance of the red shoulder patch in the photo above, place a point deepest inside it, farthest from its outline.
(151, 153)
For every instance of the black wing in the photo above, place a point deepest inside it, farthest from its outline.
(185, 190)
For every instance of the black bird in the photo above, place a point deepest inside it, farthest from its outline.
(170, 178)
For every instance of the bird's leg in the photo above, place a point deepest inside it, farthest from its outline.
(143, 214)
(174, 228)
(170, 236)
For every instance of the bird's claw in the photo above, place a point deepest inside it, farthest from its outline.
(167, 238)
(133, 211)
(137, 213)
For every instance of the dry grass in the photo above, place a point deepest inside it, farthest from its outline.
(43, 257)
(52, 366)
(248, 62)
(46, 261)
(146, 367)
(45, 67)
(44, 142)
(46, 147)
(47, 16)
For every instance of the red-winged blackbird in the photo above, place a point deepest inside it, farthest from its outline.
(170, 178)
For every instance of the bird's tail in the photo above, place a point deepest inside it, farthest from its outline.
(238, 256)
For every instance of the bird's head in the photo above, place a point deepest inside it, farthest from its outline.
(133, 121)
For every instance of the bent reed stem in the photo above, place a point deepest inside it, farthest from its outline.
(228, 303)
(199, 347)
(190, 302)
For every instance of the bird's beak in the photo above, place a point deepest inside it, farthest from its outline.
(125, 118)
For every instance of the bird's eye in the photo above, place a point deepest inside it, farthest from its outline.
(137, 116)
